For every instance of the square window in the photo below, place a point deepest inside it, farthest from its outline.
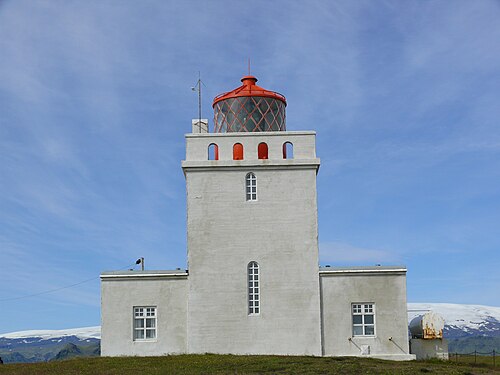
(144, 323)
(363, 319)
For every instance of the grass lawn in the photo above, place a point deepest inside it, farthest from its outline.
(232, 364)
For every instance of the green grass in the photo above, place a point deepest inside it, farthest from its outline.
(232, 364)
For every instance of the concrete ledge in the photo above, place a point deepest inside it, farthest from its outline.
(375, 270)
(111, 275)
(249, 134)
(393, 357)
(387, 357)
(259, 163)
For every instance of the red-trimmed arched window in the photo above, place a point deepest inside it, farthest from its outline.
(262, 150)
(287, 150)
(213, 152)
(238, 151)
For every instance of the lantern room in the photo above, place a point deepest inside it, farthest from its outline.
(249, 108)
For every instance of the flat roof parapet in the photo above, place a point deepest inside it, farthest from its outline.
(143, 274)
(362, 270)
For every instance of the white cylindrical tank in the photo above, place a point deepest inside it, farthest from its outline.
(427, 326)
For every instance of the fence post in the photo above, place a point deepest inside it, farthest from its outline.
(475, 356)
(494, 364)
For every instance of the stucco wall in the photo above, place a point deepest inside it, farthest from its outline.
(118, 298)
(303, 144)
(387, 290)
(279, 231)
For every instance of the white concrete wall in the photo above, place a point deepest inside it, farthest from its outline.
(429, 348)
(118, 298)
(225, 233)
(387, 290)
(303, 144)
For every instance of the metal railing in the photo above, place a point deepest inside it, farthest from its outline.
(475, 357)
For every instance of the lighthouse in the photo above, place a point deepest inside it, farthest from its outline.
(253, 283)
(252, 229)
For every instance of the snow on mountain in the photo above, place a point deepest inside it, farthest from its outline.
(81, 333)
(462, 320)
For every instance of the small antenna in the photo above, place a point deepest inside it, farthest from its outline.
(197, 87)
(249, 66)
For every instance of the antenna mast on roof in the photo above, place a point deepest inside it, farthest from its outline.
(197, 87)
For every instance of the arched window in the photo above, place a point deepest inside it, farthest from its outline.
(251, 187)
(262, 150)
(213, 152)
(287, 150)
(253, 288)
(238, 151)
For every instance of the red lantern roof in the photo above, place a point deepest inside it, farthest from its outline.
(249, 88)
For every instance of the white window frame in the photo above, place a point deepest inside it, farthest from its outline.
(145, 323)
(251, 187)
(366, 322)
(253, 279)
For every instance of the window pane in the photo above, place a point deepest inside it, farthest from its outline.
(150, 322)
(369, 330)
(139, 334)
(139, 323)
(357, 330)
(356, 319)
(150, 334)
(368, 319)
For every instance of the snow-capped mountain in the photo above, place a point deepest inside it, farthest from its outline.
(462, 320)
(46, 345)
(81, 333)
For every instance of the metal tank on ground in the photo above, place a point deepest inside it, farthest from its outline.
(427, 326)
(427, 336)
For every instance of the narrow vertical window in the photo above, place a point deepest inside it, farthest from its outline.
(238, 151)
(287, 150)
(144, 323)
(251, 187)
(213, 152)
(363, 319)
(262, 151)
(253, 289)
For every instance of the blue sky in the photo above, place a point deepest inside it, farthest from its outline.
(95, 99)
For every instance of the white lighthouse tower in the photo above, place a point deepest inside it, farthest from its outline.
(252, 230)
